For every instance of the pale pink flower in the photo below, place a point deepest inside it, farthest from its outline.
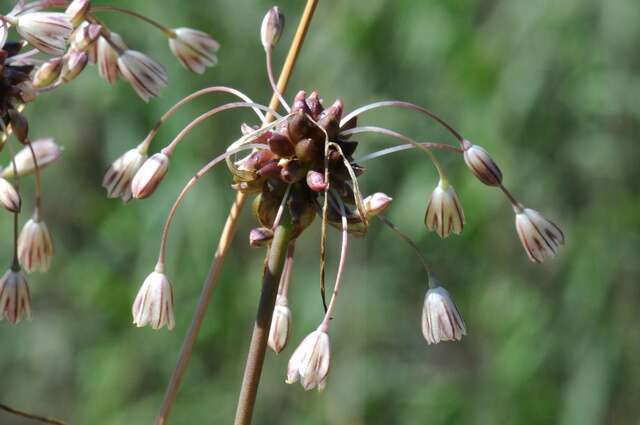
(310, 362)
(196, 50)
(441, 320)
(539, 236)
(153, 305)
(15, 300)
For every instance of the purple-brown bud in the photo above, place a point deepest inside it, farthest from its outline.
(314, 105)
(281, 145)
(291, 171)
(481, 164)
(308, 150)
(260, 236)
(299, 103)
(19, 125)
(149, 176)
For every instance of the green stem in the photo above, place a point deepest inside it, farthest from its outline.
(255, 359)
(166, 30)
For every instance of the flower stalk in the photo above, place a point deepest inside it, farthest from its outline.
(255, 359)
(228, 233)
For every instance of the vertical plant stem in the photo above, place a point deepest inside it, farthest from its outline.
(275, 260)
(229, 231)
(255, 358)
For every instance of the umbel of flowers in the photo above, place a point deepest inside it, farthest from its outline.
(56, 40)
(305, 165)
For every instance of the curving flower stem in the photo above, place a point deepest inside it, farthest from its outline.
(387, 132)
(274, 266)
(105, 8)
(172, 213)
(324, 326)
(411, 243)
(404, 105)
(168, 150)
(214, 89)
(272, 81)
(27, 415)
(228, 232)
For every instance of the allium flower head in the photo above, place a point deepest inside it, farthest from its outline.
(107, 57)
(46, 150)
(310, 362)
(35, 247)
(539, 236)
(196, 50)
(280, 325)
(441, 320)
(149, 176)
(444, 213)
(145, 75)
(46, 31)
(153, 305)
(15, 300)
(118, 177)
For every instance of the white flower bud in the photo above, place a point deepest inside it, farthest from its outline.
(107, 57)
(310, 362)
(77, 11)
(539, 236)
(441, 320)
(74, 65)
(444, 213)
(272, 27)
(376, 203)
(46, 150)
(35, 247)
(15, 299)
(48, 73)
(154, 303)
(146, 76)
(117, 179)
(85, 36)
(9, 197)
(280, 325)
(149, 176)
(196, 50)
(46, 31)
(260, 236)
(481, 164)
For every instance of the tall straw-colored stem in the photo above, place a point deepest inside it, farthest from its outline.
(228, 232)
(258, 347)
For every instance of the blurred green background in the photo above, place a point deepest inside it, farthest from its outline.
(550, 88)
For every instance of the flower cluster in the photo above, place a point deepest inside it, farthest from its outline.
(61, 45)
(302, 164)
(77, 37)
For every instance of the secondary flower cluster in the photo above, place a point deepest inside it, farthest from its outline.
(77, 37)
(300, 165)
(61, 45)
